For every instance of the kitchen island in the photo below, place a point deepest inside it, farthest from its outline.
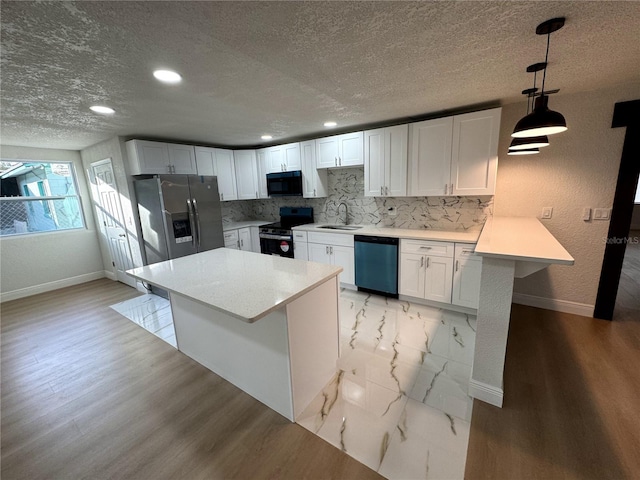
(267, 324)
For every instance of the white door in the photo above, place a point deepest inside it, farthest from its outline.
(246, 174)
(103, 184)
(466, 282)
(351, 149)
(275, 159)
(327, 152)
(292, 159)
(374, 168)
(474, 158)
(205, 162)
(430, 157)
(411, 275)
(438, 279)
(182, 159)
(244, 235)
(153, 157)
(319, 253)
(396, 154)
(226, 172)
(300, 250)
(344, 257)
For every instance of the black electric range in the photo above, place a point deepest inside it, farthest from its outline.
(277, 238)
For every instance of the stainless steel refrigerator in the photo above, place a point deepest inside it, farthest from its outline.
(179, 215)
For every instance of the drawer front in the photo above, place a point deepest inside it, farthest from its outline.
(231, 236)
(299, 236)
(467, 250)
(427, 247)
(338, 239)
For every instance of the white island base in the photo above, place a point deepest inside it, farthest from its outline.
(267, 324)
(283, 360)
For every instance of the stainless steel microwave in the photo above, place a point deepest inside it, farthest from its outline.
(285, 184)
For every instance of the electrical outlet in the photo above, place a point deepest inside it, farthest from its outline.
(586, 214)
(547, 212)
(392, 211)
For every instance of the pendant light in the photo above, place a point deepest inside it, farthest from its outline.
(542, 121)
(528, 143)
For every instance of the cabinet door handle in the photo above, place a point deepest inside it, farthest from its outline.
(256, 194)
(428, 261)
(340, 160)
(381, 191)
(451, 190)
(314, 192)
(465, 252)
(425, 248)
(331, 250)
(326, 250)
(336, 159)
(386, 189)
(421, 262)
(457, 264)
(241, 243)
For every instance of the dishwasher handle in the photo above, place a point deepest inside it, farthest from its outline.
(373, 239)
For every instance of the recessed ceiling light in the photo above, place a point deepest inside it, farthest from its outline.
(266, 137)
(330, 124)
(167, 76)
(102, 109)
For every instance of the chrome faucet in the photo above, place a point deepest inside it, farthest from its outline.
(346, 212)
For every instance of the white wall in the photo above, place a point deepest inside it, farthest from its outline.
(36, 263)
(579, 169)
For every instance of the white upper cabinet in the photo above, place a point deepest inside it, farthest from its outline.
(385, 161)
(346, 150)
(454, 155)
(284, 158)
(182, 159)
(262, 158)
(246, 174)
(155, 158)
(474, 157)
(218, 162)
(430, 157)
(314, 181)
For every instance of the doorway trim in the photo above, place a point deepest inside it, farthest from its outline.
(625, 114)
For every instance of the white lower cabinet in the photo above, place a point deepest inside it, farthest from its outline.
(300, 246)
(333, 249)
(426, 269)
(244, 238)
(440, 271)
(255, 239)
(466, 276)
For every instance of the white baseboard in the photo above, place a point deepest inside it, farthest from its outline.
(553, 304)
(110, 275)
(47, 287)
(487, 393)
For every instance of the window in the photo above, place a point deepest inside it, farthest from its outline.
(38, 197)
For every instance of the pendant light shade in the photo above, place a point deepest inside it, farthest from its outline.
(528, 151)
(541, 121)
(529, 142)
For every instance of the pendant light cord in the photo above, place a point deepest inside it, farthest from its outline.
(546, 59)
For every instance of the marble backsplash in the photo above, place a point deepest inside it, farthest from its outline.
(347, 186)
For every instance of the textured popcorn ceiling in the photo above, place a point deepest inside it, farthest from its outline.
(286, 67)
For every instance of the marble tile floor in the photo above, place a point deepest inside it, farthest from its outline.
(151, 312)
(399, 401)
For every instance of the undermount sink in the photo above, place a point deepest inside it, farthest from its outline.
(341, 227)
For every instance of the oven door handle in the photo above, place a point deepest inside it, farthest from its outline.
(269, 236)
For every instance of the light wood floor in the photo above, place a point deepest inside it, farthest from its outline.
(88, 394)
(572, 401)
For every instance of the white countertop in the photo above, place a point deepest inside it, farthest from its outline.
(243, 284)
(246, 223)
(372, 230)
(524, 239)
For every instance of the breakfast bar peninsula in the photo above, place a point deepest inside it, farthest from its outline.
(267, 324)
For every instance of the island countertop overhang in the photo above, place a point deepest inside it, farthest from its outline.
(245, 285)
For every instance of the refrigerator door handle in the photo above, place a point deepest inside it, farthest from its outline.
(191, 222)
(195, 209)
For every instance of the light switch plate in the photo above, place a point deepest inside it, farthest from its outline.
(586, 214)
(601, 213)
(547, 212)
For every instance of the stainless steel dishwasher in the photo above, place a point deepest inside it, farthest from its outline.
(376, 260)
